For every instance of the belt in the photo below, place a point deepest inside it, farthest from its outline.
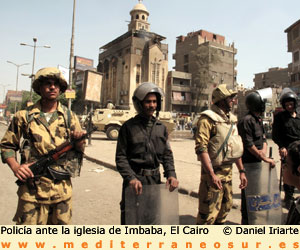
(148, 172)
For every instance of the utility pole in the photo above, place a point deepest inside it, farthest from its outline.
(34, 46)
(233, 66)
(4, 86)
(17, 80)
(72, 53)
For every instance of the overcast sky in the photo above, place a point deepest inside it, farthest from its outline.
(255, 26)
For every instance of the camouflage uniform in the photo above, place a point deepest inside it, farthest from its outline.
(48, 196)
(214, 204)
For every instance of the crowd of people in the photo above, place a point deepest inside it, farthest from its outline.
(45, 196)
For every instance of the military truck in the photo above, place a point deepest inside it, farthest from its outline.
(110, 121)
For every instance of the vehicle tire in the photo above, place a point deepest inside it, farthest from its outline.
(112, 132)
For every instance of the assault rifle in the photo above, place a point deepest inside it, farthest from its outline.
(42, 165)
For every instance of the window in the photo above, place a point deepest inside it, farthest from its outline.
(293, 78)
(143, 17)
(186, 68)
(214, 37)
(137, 17)
(186, 58)
(295, 32)
(153, 74)
(157, 74)
(138, 73)
(138, 51)
(296, 56)
(106, 69)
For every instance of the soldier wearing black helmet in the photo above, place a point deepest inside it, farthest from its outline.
(286, 129)
(143, 145)
(254, 140)
(291, 175)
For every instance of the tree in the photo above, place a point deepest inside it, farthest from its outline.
(78, 103)
(204, 56)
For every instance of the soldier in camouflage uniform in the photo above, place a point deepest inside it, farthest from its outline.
(215, 127)
(34, 132)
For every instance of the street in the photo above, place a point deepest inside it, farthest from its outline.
(96, 196)
(97, 192)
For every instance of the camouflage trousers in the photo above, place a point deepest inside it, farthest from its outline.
(32, 213)
(214, 204)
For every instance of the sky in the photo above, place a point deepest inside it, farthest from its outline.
(255, 26)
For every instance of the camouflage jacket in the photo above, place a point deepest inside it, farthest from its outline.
(43, 136)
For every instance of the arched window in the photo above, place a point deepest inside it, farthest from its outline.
(100, 67)
(106, 69)
(143, 17)
(137, 17)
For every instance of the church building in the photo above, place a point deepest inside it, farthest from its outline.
(132, 58)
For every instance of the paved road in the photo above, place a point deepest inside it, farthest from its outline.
(98, 191)
(96, 198)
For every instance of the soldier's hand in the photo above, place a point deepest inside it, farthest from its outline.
(172, 183)
(244, 181)
(216, 182)
(23, 172)
(271, 162)
(283, 153)
(137, 186)
(76, 135)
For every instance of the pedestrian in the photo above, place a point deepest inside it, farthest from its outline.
(291, 176)
(45, 125)
(143, 145)
(181, 122)
(218, 146)
(285, 130)
(251, 130)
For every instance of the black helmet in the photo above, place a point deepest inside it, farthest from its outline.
(288, 97)
(142, 91)
(254, 102)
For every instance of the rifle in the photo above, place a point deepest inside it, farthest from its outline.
(42, 166)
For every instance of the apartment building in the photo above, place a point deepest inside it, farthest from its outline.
(274, 77)
(210, 61)
(293, 41)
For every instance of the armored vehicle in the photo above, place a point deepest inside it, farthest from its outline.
(111, 120)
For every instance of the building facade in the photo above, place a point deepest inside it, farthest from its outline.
(134, 57)
(273, 78)
(210, 61)
(13, 96)
(179, 89)
(293, 41)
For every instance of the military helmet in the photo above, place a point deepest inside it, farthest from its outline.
(287, 97)
(142, 91)
(49, 72)
(255, 103)
(221, 92)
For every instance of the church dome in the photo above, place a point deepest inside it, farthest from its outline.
(139, 7)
